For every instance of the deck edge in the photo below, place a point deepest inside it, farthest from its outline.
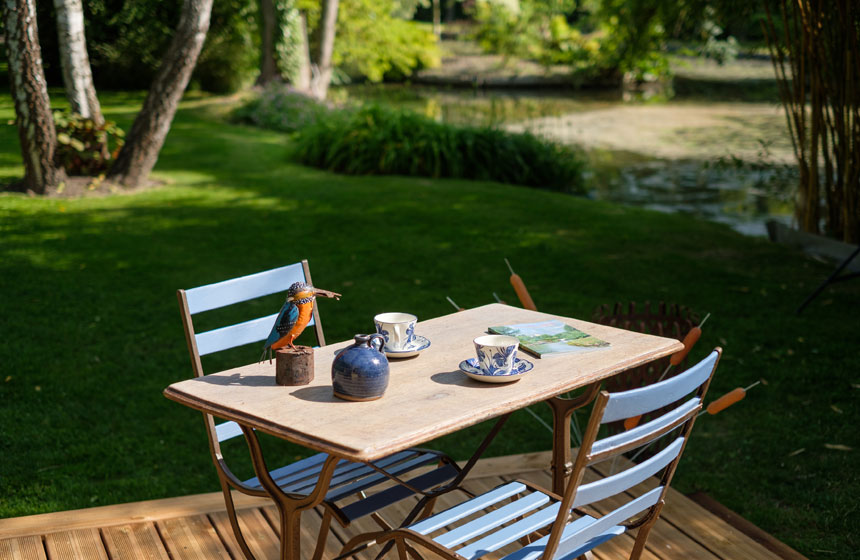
(746, 527)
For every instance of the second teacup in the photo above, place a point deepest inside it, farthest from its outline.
(397, 328)
(496, 353)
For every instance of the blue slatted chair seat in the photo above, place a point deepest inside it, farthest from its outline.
(533, 510)
(350, 478)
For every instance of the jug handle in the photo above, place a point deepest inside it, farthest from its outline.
(376, 337)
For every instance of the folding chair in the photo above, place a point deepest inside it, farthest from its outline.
(534, 523)
(299, 478)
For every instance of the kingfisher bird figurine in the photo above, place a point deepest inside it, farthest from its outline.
(294, 316)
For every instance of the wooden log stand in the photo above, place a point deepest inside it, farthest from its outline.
(294, 366)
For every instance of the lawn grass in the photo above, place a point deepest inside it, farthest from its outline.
(91, 332)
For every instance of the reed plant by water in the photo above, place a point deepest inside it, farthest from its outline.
(378, 140)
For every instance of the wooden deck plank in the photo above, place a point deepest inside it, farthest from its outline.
(196, 527)
(79, 543)
(123, 514)
(191, 538)
(137, 541)
(22, 548)
(756, 533)
(261, 538)
(702, 526)
(619, 549)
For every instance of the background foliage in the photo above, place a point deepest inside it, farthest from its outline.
(605, 40)
(372, 42)
(126, 41)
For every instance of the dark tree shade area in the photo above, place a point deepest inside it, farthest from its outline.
(127, 40)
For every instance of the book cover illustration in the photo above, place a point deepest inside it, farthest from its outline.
(550, 337)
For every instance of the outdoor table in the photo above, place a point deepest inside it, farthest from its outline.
(427, 397)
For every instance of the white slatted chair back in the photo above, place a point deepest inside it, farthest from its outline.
(501, 518)
(229, 292)
(686, 391)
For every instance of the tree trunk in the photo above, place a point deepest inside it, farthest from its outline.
(269, 20)
(147, 135)
(77, 75)
(437, 18)
(30, 94)
(302, 80)
(322, 76)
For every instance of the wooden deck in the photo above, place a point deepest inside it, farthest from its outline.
(196, 527)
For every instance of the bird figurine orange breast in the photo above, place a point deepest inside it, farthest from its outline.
(294, 315)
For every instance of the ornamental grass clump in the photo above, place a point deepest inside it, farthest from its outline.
(377, 140)
(280, 107)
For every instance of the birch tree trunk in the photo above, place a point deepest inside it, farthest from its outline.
(77, 75)
(302, 79)
(322, 75)
(30, 94)
(147, 134)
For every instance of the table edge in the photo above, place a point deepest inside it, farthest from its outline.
(374, 453)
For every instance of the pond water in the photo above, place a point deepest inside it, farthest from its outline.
(743, 194)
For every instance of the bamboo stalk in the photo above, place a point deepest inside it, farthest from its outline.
(816, 61)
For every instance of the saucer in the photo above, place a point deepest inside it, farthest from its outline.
(521, 367)
(418, 344)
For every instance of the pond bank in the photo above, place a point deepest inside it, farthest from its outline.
(748, 131)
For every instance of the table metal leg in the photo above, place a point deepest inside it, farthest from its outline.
(428, 498)
(561, 464)
(290, 506)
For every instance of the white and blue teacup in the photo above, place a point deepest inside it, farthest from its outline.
(496, 353)
(397, 328)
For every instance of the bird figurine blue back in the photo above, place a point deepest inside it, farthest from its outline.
(294, 316)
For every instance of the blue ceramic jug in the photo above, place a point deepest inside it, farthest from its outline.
(360, 371)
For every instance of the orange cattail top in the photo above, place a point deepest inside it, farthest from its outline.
(726, 400)
(522, 292)
(689, 341)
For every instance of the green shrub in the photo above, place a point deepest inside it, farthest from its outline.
(84, 147)
(279, 107)
(375, 140)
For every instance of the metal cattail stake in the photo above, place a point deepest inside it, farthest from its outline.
(715, 407)
(689, 341)
(520, 289)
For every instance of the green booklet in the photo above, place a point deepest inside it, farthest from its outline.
(549, 338)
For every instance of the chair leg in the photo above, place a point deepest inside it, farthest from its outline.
(428, 509)
(234, 520)
(642, 533)
(322, 537)
(401, 549)
(413, 553)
